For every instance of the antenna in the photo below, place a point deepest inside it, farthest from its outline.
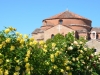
(67, 9)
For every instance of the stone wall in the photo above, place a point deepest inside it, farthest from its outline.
(94, 44)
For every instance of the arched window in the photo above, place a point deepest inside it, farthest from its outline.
(76, 35)
(93, 35)
(94, 50)
(52, 36)
(60, 21)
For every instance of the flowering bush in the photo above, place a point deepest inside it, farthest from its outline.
(21, 55)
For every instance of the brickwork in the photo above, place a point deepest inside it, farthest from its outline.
(70, 22)
(56, 29)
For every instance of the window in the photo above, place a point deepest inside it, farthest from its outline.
(52, 35)
(97, 36)
(60, 21)
(93, 34)
(94, 50)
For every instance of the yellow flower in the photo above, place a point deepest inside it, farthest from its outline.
(18, 39)
(66, 62)
(92, 55)
(28, 52)
(0, 46)
(55, 67)
(35, 42)
(8, 40)
(12, 48)
(44, 50)
(15, 58)
(27, 65)
(6, 72)
(52, 56)
(3, 44)
(21, 46)
(20, 35)
(70, 48)
(1, 61)
(1, 71)
(67, 68)
(26, 59)
(11, 28)
(16, 73)
(52, 60)
(7, 60)
(1, 55)
(73, 59)
(17, 68)
(53, 44)
(47, 63)
(7, 31)
(81, 42)
(41, 42)
(28, 55)
(31, 39)
(49, 72)
(75, 43)
(31, 43)
(17, 33)
(77, 58)
(45, 46)
(59, 52)
(81, 51)
(22, 41)
(17, 61)
(27, 70)
(25, 36)
(61, 70)
(56, 54)
(85, 49)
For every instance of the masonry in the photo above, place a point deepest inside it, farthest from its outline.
(65, 22)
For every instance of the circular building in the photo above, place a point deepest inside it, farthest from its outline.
(69, 19)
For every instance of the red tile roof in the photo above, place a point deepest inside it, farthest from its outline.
(96, 29)
(67, 14)
(37, 31)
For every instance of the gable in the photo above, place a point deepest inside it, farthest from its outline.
(55, 30)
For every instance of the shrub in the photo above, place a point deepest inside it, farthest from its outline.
(21, 55)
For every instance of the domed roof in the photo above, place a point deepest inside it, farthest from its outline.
(66, 15)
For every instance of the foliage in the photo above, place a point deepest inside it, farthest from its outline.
(21, 55)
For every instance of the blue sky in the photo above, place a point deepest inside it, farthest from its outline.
(27, 15)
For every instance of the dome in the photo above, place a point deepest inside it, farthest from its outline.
(66, 15)
(70, 19)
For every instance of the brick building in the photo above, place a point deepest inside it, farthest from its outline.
(66, 22)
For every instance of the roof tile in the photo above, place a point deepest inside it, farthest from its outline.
(67, 14)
